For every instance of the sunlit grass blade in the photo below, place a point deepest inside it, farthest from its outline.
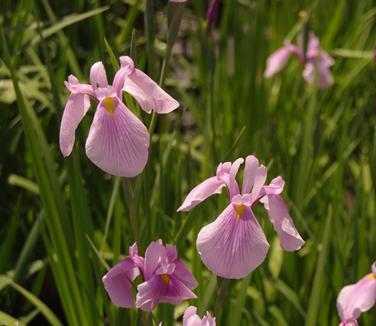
(42, 307)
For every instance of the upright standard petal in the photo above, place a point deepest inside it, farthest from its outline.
(233, 184)
(127, 67)
(233, 245)
(162, 288)
(75, 109)
(258, 183)
(117, 283)
(250, 169)
(148, 94)
(289, 237)
(357, 298)
(118, 141)
(198, 194)
(155, 254)
(98, 77)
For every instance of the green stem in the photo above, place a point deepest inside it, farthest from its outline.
(222, 292)
(131, 200)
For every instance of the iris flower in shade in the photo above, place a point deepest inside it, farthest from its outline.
(234, 244)
(190, 318)
(314, 60)
(118, 280)
(357, 298)
(118, 141)
(166, 278)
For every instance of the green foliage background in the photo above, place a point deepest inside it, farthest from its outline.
(63, 221)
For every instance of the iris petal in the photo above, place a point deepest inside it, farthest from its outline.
(148, 94)
(75, 109)
(232, 247)
(118, 141)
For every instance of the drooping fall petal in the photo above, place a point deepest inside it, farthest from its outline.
(202, 191)
(357, 298)
(117, 283)
(148, 93)
(278, 60)
(75, 109)
(232, 246)
(162, 288)
(118, 141)
(289, 237)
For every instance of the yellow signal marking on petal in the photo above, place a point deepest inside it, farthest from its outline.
(166, 278)
(109, 104)
(371, 277)
(239, 209)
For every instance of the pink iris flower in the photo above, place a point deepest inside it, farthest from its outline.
(314, 60)
(118, 141)
(164, 278)
(234, 244)
(357, 298)
(190, 318)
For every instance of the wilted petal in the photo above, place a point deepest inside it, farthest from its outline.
(289, 237)
(148, 94)
(250, 168)
(158, 290)
(232, 246)
(75, 109)
(205, 189)
(155, 254)
(98, 77)
(117, 283)
(357, 298)
(118, 141)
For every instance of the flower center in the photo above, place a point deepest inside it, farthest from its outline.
(109, 104)
(239, 209)
(165, 278)
(371, 277)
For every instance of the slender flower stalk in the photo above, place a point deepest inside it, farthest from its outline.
(357, 298)
(234, 244)
(118, 141)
